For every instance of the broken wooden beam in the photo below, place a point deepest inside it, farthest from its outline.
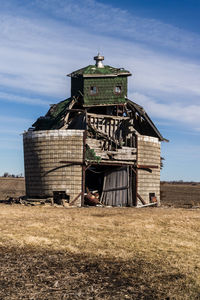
(141, 199)
(75, 199)
(148, 204)
(147, 167)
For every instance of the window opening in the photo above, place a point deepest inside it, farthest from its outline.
(118, 89)
(110, 185)
(93, 90)
(152, 198)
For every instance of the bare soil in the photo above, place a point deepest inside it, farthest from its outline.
(180, 195)
(99, 253)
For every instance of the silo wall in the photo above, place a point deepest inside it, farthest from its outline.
(149, 154)
(44, 174)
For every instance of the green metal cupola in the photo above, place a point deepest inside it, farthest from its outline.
(99, 84)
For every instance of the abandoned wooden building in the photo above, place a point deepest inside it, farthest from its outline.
(96, 145)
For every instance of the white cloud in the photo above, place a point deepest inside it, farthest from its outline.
(104, 18)
(166, 74)
(37, 52)
(187, 114)
(41, 41)
(21, 99)
(40, 64)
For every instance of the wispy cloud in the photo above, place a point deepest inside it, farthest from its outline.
(170, 111)
(11, 128)
(16, 120)
(13, 142)
(39, 49)
(21, 99)
(106, 19)
(172, 75)
(39, 65)
(41, 41)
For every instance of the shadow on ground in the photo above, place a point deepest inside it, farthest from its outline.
(35, 274)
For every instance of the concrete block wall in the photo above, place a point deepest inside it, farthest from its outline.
(148, 154)
(43, 151)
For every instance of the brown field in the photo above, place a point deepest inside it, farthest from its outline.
(11, 187)
(99, 253)
(175, 195)
(180, 195)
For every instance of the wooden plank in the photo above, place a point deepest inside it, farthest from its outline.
(147, 167)
(141, 199)
(148, 204)
(75, 199)
(108, 117)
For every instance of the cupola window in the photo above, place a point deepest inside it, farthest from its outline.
(118, 89)
(93, 90)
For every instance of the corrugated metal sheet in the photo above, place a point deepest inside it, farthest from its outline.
(117, 187)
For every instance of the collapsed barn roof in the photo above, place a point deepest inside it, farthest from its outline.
(100, 89)
(55, 118)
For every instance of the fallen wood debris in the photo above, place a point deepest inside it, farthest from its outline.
(92, 198)
(146, 205)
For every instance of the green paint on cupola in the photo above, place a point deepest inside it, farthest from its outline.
(99, 85)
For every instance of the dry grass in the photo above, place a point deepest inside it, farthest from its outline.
(99, 253)
(11, 187)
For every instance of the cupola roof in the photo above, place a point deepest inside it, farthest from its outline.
(99, 70)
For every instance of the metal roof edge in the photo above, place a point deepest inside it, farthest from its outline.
(114, 72)
(107, 75)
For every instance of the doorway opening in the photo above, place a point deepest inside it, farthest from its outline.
(60, 197)
(110, 186)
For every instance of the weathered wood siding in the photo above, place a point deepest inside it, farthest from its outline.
(43, 151)
(148, 154)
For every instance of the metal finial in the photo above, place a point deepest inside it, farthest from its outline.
(99, 58)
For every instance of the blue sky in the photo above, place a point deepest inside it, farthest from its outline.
(157, 41)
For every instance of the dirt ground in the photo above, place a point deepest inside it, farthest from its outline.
(180, 195)
(99, 253)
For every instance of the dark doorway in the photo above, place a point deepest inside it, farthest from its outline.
(60, 196)
(115, 186)
(94, 178)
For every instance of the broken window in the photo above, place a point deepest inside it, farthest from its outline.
(152, 198)
(93, 90)
(118, 89)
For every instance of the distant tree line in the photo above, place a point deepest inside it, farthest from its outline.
(180, 182)
(6, 174)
